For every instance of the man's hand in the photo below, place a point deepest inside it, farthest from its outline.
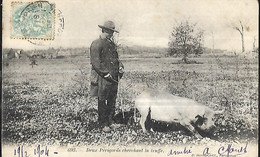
(108, 76)
(121, 70)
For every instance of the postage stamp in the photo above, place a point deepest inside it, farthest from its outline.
(35, 20)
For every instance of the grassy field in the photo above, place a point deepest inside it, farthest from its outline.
(49, 103)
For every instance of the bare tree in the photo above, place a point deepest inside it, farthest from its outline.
(254, 43)
(213, 41)
(241, 31)
(255, 47)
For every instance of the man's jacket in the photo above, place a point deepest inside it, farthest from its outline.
(104, 59)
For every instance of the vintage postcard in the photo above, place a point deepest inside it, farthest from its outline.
(114, 78)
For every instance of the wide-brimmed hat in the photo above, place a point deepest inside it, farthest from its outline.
(109, 25)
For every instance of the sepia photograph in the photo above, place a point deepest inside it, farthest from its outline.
(113, 78)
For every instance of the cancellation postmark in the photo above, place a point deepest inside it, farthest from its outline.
(35, 20)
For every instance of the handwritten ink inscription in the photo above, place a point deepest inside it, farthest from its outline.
(180, 152)
(38, 151)
(20, 153)
(228, 150)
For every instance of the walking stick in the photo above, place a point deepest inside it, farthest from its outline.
(121, 101)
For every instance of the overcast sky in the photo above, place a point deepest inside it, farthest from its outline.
(146, 22)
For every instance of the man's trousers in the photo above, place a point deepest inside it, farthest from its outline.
(107, 93)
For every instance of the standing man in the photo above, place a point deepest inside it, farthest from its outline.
(106, 71)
